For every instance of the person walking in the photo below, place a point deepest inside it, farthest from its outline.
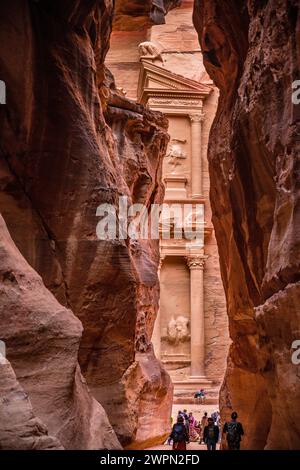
(234, 432)
(204, 421)
(211, 434)
(179, 434)
(186, 420)
(192, 428)
(214, 416)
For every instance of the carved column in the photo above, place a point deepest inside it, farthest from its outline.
(156, 335)
(196, 146)
(196, 265)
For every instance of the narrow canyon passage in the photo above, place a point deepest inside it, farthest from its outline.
(181, 102)
(162, 67)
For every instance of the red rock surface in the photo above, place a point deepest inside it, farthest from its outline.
(69, 142)
(42, 341)
(134, 15)
(251, 50)
(19, 428)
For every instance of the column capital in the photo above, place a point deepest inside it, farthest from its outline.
(199, 117)
(196, 261)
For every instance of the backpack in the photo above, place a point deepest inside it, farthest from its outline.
(233, 434)
(211, 432)
(178, 433)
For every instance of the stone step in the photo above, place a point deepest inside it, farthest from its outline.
(184, 392)
(191, 401)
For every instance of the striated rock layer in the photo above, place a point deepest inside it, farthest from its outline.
(69, 143)
(251, 50)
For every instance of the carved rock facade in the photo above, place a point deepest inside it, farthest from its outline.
(163, 68)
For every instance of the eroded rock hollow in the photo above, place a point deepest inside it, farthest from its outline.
(70, 141)
(251, 50)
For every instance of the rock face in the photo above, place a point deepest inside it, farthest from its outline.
(69, 143)
(251, 50)
(42, 341)
(134, 15)
(19, 428)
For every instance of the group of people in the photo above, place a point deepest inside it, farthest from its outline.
(187, 429)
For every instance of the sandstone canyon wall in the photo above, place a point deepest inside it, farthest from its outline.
(19, 428)
(42, 339)
(70, 142)
(251, 50)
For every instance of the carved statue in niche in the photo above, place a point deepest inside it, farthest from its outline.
(176, 153)
(178, 330)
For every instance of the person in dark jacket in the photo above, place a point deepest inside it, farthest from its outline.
(179, 434)
(211, 434)
(234, 432)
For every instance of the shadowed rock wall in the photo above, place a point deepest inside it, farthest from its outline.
(42, 341)
(70, 142)
(251, 50)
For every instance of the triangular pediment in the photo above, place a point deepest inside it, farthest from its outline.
(152, 82)
(154, 77)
